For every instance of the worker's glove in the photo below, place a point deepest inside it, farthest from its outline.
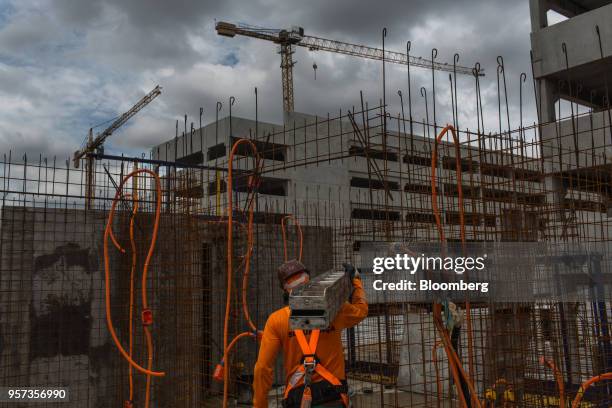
(351, 271)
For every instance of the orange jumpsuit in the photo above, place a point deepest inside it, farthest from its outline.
(276, 334)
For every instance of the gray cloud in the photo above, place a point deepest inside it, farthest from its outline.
(68, 64)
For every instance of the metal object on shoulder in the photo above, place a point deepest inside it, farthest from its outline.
(316, 304)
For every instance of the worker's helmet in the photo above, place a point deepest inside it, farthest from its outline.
(292, 274)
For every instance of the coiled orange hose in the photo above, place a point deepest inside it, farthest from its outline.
(585, 385)
(108, 234)
(134, 199)
(451, 353)
(558, 378)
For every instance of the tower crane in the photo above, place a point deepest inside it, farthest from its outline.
(96, 144)
(287, 39)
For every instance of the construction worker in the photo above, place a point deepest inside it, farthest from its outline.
(313, 360)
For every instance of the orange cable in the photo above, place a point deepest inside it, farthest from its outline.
(149, 365)
(558, 377)
(436, 212)
(246, 261)
(145, 328)
(115, 242)
(585, 385)
(233, 342)
(247, 268)
(230, 212)
(453, 359)
(107, 234)
(132, 273)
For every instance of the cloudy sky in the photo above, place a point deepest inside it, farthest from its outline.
(67, 65)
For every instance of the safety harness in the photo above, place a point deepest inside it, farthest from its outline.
(309, 366)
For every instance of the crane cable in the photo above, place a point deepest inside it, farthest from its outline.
(453, 359)
(147, 317)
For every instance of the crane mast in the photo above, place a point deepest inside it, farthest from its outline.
(97, 143)
(288, 39)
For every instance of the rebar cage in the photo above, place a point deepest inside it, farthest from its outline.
(359, 178)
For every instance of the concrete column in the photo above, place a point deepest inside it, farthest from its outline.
(547, 97)
(538, 9)
(555, 193)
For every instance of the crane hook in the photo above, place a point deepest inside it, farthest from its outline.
(314, 67)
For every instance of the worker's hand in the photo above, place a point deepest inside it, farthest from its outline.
(351, 271)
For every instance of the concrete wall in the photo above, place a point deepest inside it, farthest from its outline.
(590, 133)
(52, 327)
(580, 37)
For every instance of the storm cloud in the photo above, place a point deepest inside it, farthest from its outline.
(67, 65)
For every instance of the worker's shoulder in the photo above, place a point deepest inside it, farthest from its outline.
(279, 316)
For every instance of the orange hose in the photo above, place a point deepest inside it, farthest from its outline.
(246, 261)
(453, 360)
(107, 234)
(434, 192)
(247, 268)
(451, 353)
(134, 198)
(585, 385)
(235, 340)
(149, 365)
(558, 377)
(145, 303)
(132, 273)
(230, 211)
(114, 240)
(299, 229)
(145, 328)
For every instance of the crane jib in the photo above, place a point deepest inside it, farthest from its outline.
(287, 38)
